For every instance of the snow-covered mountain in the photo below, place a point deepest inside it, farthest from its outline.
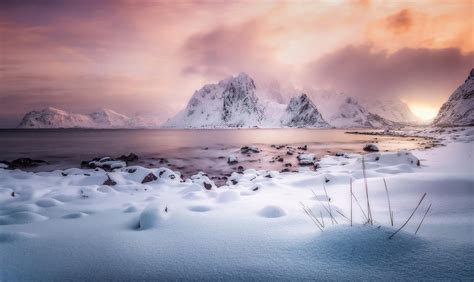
(342, 111)
(230, 103)
(459, 109)
(301, 112)
(391, 109)
(56, 118)
(233, 102)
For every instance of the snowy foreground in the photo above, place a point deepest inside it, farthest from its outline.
(69, 225)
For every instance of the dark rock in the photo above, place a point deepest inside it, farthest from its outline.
(130, 158)
(255, 189)
(268, 176)
(285, 170)
(340, 154)
(234, 181)
(149, 178)
(207, 186)
(304, 147)
(240, 168)
(326, 180)
(288, 165)
(371, 148)
(63, 174)
(13, 194)
(24, 163)
(131, 170)
(109, 182)
(249, 149)
(290, 152)
(172, 176)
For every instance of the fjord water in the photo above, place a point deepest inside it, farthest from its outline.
(188, 151)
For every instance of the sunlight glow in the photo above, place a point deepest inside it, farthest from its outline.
(423, 111)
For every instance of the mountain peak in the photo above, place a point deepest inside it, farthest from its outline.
(301, 112)
(459, 109)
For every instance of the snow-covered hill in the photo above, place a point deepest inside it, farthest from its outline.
(301, 112)
(342, 111)
(459, 109)
(56, 118)
(391, 109)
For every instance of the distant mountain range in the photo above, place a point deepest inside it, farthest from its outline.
(56, 118)
(234, 103)
(459, 109)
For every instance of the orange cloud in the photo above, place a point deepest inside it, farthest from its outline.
(400, 22)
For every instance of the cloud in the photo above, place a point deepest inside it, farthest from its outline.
(400, 22)
(411, 74)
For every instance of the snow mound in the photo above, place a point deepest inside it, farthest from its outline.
(272, 212)
(75, 215)
(48, 203)
(8, 237)
(152, 216)
(21, 218)
(200, 208)
(228, 196)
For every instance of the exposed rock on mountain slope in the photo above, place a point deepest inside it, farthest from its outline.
(55, 118)
(301, 112)
(230, 103)
(459, 109)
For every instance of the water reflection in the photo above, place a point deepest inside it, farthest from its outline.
(186, 150)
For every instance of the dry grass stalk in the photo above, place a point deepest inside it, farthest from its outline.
(421, 222)
(351, 198)
(389, 206)
(329, 205)
(311, 215)
(369, 212)
(327, 210)
(361, 209)
(401, 227)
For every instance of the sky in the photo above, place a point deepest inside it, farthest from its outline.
(148, 57)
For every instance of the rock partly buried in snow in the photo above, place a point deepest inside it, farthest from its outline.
(301, 112)
(272, 212)
(232, 159)
(203, 180)
(306, 159)
(22, 163)
(130, 158)
(152, 216)
(371, 148)
(249, 149)
(109, 181)
(106, 163)
(149, 178)
(459, 109)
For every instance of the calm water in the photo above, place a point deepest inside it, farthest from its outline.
(188, 151)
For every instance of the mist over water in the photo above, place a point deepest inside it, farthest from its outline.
(187, 151)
